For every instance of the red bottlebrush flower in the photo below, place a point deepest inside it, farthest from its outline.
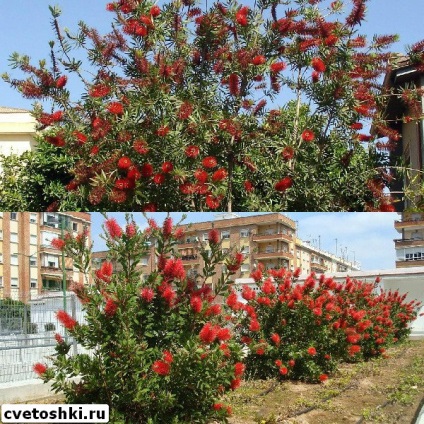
(174, 268)
(201, 176)
(110, 308)
(209, 162)
(99, 90)
(213, 202)
(283, 184)
(356, 126)
(134, 174)
(57, 116)
(248, 293)
(167, 356)
(323, 377)
(297, 272)
(113, 228)
(208, 333)
(167, 227)
(82, 138)
(131, 230)
(318, 64)
(223, 334)
(308, 135)
(283, 371)
(258, 60)
(140, 146)
(241, 16)
(287, 153)
(353, 338)
(107, 269)
(213, 236)
(213, 310)
(357, 14)
(61, 81)
(58, 243)
(315, 77)
(58, 338)
(219, 175)
(155, 11)
(292, 363)
(186, 109)
(115, 108)
(147, 294)
(217, 406)
(276, 338)
(167, 167)
(168, 294)
(277, 67)
(66, 320)
(234, 84)
(331, 40)
(354, 349)
(254, 325)
(147, 170)
(161, 367)
(196, 304)
(278, 363)
(159, 179)
(235, 384)
(239, 369)
(192, 151)
(248, 186)
(163, 131)
(39, 368)
(124, 163)
(312, 351)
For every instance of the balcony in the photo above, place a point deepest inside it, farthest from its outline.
(408, 242)
(258, 238)
(317, 267)
(417, 223)
(185, 245)
(273, 255)
(190, 259)
(402, 263)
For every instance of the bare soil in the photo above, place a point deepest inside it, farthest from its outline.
(385, 390)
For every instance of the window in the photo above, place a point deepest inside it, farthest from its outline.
(33, 218)
(269, 249)
(13, 216)
(244, 233)
(144, 261)
(225, 251)
(33, 283)
(51, 261)
(225, 235)
(13, 237)
(14, 282)
(32, 261)
(1, 234)
(74, 226)
(1, 281)
(13, 259)
(47, 237)
(33, 239)
(1, 258)
(245, 250)
(205, 236)
(245, 268)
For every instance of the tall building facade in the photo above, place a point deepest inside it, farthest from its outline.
(29, 265)
(269, 239)
(410, 247)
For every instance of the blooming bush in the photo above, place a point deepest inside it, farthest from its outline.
(231, 107)
(302, 331)
(160, 348)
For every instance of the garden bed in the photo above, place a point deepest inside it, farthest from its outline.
(382, 390)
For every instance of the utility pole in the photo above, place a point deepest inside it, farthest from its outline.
(62, 231)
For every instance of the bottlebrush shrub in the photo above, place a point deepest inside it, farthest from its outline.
(199, 89)
(303, 330)
(161, 350)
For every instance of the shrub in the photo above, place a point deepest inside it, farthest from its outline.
(160, 349)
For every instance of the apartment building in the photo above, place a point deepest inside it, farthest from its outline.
(29, 265)
(269, 239)
(410, 247)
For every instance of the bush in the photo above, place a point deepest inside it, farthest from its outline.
(161, 350)
(302, 331)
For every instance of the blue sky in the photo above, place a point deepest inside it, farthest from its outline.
(25, 28)
(364, 237)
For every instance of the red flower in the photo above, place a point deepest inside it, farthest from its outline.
(161, 367)
(213, 202)
(312, 351)
(61, 81)
(58, 243)
(105, 271)
(248, 186)
(99, 90)
(131, 230)
(124, 163)
(113, 228)
(234, 84)
(354, 349)
(167, 167)
(284, 184)
(241, 16)
(283, 371)
(318, 64)
(223, 334)
(174, 269)
(254, 325)
(277, 67)
(308, 135)
(315, 77)
(219, 175)
(213, 236)
(167, 356)
(292, 363)
(159, 179)
(185, 110)
(147, 170)
(110, 308)
(276, 338)
(259, 60)
(323, 377)
(155, 11)
(248, 293)
(39, 369)
(140, 146)
(235, 383)
(239, 369)
(116, 108)
(196, 304)
(147, 294)
(82, 138)
(201, 175)
(287, 153)
(192, 151)
(66, 320)
(163, 131)
(59, 338)
(208, 333)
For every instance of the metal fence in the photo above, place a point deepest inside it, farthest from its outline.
(27, 334)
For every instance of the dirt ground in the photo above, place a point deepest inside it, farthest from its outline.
(385, 391)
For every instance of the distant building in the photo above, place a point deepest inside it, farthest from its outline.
(29, 265)
(269, 239)
(411, 145)
(410, 247)
(17, 131)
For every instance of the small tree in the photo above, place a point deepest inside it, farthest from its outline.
(161, 350)
(224, 107)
